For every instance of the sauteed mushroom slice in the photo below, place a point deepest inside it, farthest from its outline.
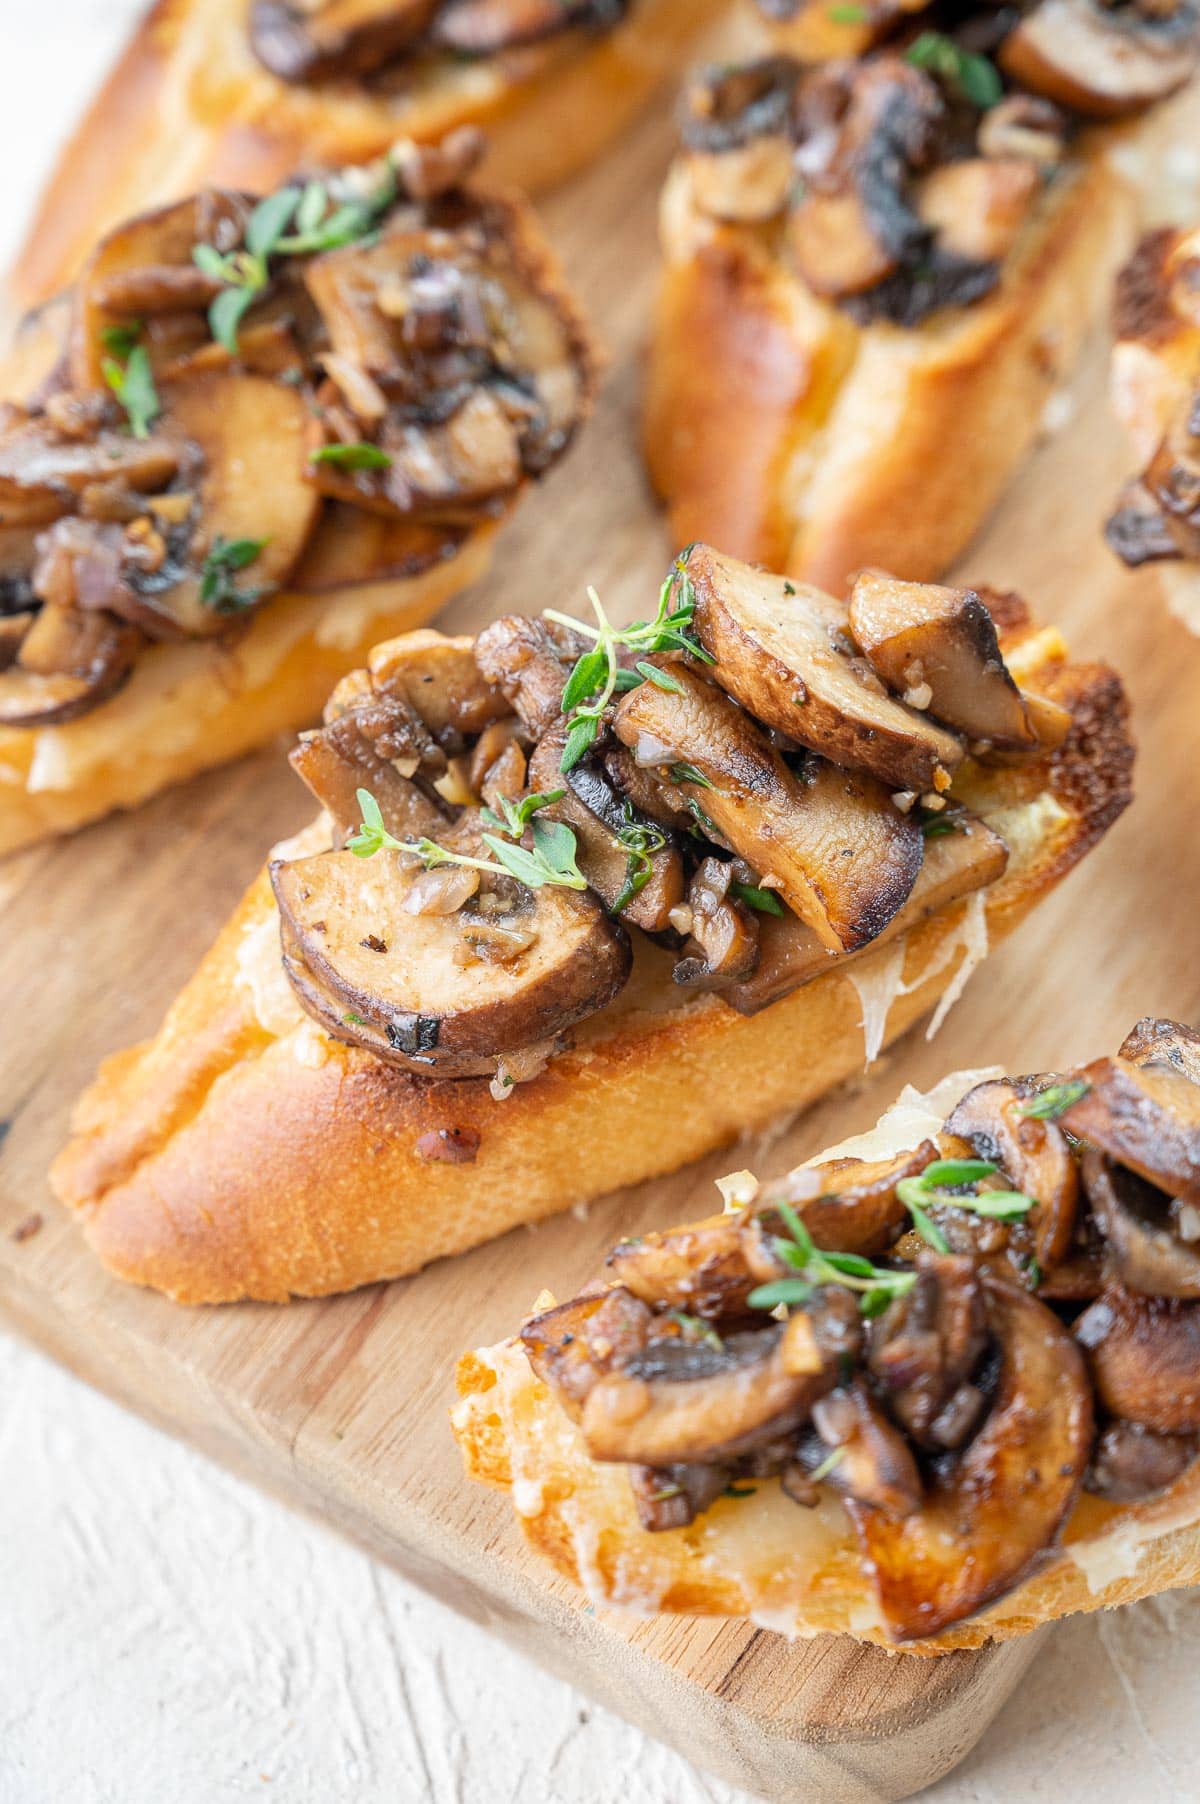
(977, 206)
(1141, 1227)
(847, 1205)
(1034, 1157)
(447, 992)
(672, 1496)
(1159, 1042)
(529, 662)
(1103, 60)
(439, 679)
(68, 660)
(377, 746)
(700, 1268)
(302, 42)
(1131, 1462)
(839, 852)
(573, 1345)
(485, 27)
(44, 471)
(938, 648)
(873, 1462)
(784, 651)
(690, 1400)
(722, 943)
(641, 889)
(736, 126)
(1146, 1117)
(994, 1513)
(1144, 1358)
(789, 952)
(926, 1349)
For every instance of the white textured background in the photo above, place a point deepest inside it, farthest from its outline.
(167, 1636)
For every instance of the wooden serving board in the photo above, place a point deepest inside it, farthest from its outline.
(340, 1406)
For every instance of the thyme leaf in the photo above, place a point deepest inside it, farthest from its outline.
(1055, 1100)
(226, 557)
(132, 382)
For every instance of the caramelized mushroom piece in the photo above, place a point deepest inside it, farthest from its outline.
(485, 27)
(992, 1514)
(377, 746)
(597, 814)
(722, 944)
(1104, 60)
(873, 1462)
(926, 1349)
(784, 651)
(529, 662)
(1169, 1045)
(439, 679)
(701, 1268)
(977, 207)
(687, 1400)
(847, 1205)
(672, 1496)
(1172, 480)
(938, 648)
(68, 660)
(1131, 1462)
(736, 128)
(300, 41)
(1034, 1157)
(1144, 1116)
(789, 952)
(441, 994)
(1141, 1228)
(1144, 1358)
(574, 1344)
(841, 855)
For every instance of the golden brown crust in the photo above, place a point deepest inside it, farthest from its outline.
(759, 1556)
(187, 106)
(229, 1159)
(750, 376)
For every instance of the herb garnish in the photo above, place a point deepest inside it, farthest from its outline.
(976, 79)
(937, 1187)
(226, 557)
(765, 900)
(120, 340)
(937, 826)
(846, 15)
(877, 1284)
(1054, 1101)
(597, 676)
(552, 860)
(132, 382)
(246, 273)
(687, 773)
(696, 1325)
(832, 1459)
(639, 840)
(361, 455)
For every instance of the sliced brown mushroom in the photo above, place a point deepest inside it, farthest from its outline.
(736, 127)
(672, 1496)
(784, 651)
(1137, 531)
(977, 207)
(1172, 480)
(722, 943)
(439, 679)
(529, 662)
(938, 647)
(1103, 60)
(1131, 1462)
(689, 1400)
(1144, 1358)
(597, 813)
(872, 1461)
(789, 952)
(1156, 1041)
(992, 1516)
(700, 1268)
(377, 746)
(485, 27)
(1146, 1117)
(573, 1345)
(839, 852)
(68, 661)
(301, 41)
(926, 1349)
(847, 1205)
(447, 993)
(1141, 1230)
(44, 472)
(1034, 1157)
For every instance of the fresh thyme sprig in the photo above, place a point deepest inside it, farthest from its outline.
(639, 840)
(132, 382)
(246, 273)
(877, 1285)
(976, 79)
(938, 1186)
(552, 860)
(764, 900)
(1055, 1100)
(226, 557)
(361, 455)
(597, 675)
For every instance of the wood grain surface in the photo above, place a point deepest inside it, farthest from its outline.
(340, 1406)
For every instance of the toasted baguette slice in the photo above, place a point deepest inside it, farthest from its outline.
(757, 1554)
(246, 1153)
(779, 429)
(189, 105)
(1156, 378)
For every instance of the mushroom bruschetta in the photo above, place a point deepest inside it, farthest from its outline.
(878, 271)
(937, 1386)
(257, 434)
(573, 878)
(242, 92)
(1156, 394)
